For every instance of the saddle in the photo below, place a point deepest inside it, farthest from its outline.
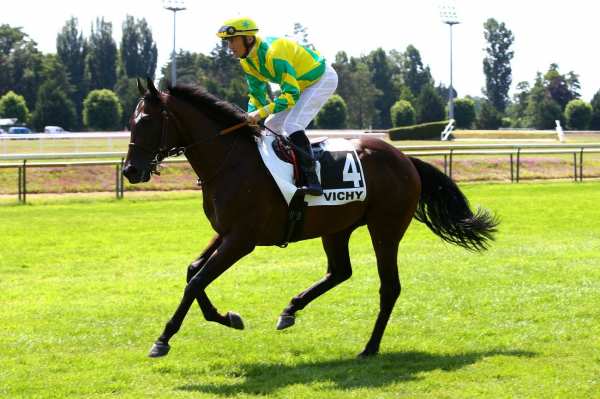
(284, 151)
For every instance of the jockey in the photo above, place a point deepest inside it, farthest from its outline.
(305, 80)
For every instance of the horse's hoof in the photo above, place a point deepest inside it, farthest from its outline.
(235, 321)
(285, 321)
(367, 353)
(159, 349)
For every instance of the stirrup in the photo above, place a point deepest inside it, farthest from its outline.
(314, 189)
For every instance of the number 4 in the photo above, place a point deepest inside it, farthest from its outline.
(351, 172)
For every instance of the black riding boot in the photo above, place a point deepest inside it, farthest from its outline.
(307, 163)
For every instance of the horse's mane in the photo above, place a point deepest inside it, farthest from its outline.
(221, 111)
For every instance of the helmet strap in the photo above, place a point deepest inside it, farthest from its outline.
(248, 46)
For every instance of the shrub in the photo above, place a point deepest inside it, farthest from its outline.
(102, 110)
(595, 122)
(464, 112)
(424, 131)
(578, 115)
(489, 118)
(430, 106)
(333, 114)
(403, 114)
(13, 105)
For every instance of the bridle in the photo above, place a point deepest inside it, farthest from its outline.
(165, 152)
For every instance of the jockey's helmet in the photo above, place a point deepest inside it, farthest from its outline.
(238, 27)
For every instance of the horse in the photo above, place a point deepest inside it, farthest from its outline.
(246, 209)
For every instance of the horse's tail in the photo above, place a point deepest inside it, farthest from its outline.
(445, 210)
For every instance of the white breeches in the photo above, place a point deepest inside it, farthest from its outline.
(304, 111)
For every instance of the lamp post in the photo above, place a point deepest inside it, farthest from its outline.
(448, 15)
(174, 5)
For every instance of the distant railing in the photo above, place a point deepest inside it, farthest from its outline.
(514, 151)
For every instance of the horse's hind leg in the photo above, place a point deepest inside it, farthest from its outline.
(338, 270)
(230, 319)
(385, 237)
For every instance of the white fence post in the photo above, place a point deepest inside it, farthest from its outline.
(448, 130)
(560, 132)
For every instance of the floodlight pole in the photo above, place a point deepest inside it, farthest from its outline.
(176, 5)
(448, 14)
(451, 90)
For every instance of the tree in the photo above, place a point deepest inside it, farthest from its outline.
(383, 72)
(430, 106)
(362, 95)
(128, 94)
(301, 35)
(489, 118)
(138, 50)
(13, 105)
(333, 114)
(72, 49)
(464, 112)
(101, 61)
(415, 75)
(542, 110)
(562, 88)
(53, 105)
(496, 64)
(518, 107)
(595, 120)
(102, 110)
(20, 63)
(578, 114)
(403, 114)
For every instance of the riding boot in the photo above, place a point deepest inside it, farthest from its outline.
(307, 163)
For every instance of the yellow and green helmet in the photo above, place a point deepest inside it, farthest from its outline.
(237, 27)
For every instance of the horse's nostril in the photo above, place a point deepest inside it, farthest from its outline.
(129, 170)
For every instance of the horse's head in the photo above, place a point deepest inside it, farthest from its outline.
(151, 135)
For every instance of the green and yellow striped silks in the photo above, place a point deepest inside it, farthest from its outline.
(283, 61)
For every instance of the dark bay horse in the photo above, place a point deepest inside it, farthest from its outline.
(246, 209)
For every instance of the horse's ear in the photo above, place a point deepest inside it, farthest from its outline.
(140, 87)
(151, 88)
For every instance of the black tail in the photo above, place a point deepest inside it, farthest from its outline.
(445, 210)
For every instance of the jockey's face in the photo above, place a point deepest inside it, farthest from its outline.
(238, 46)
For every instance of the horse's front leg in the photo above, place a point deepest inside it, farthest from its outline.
(229, 250)
(230, 319)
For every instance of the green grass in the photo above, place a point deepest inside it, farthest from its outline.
(87, 285)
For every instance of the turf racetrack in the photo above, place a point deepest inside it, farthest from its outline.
(87, 286)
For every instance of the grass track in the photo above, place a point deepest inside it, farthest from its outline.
(87, 285)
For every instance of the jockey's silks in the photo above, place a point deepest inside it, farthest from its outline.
(284, 62)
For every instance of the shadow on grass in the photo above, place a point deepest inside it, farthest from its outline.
(344, 374)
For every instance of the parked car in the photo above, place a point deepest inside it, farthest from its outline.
(19, 130)
(54, 129)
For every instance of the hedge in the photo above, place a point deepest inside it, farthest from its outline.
(424, 131)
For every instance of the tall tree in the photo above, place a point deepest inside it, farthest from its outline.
(383, 78)
(595, 103)
(101, 61)
(53, 104)
(518, 108)
(72, 49)
(138, 50)
(562, 88)
(415, 75)
(542, 109)
(430, 106)
(300, 34)
(496, 64)
(20, 63)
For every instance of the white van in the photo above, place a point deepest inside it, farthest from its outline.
(54, 129)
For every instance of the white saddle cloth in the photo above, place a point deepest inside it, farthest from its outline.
(342, 178)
